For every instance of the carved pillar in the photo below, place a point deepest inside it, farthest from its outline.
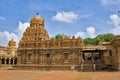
(82, 53)
(9, 61)
(37, 57)
(0, 60)
(19, 61)
(53, 58)
(18, 57)
(93, 57)
(118, 58)
(102, 56)
(34, 56)
(41, 58)
(79, 58)
(13, 61)
(5, 61)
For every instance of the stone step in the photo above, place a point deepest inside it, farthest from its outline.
(6, 67)
(88, 67)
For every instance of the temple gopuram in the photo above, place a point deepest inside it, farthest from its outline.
(37, 51)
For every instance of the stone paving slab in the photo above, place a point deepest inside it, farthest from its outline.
(58, 75)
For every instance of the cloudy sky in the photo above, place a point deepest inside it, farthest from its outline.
(85, 18)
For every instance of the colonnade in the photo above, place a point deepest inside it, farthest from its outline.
(8, 61)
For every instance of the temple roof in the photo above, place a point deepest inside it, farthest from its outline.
(36, 18)
(12, 43)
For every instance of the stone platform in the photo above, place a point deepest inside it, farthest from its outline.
(47, 67)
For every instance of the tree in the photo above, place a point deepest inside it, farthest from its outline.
(89, 41)
(109, 37)
(99, 38)
(59, 36)
(104, 38)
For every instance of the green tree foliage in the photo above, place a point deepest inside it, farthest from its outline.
(109, 37)
(59, 36)
(99, 38)
(89, 41)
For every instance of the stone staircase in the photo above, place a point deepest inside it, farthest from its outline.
(88, 66)
(99, 65)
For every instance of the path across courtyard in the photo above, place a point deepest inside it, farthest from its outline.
(58, 75)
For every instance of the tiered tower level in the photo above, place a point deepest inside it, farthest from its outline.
(34, 34)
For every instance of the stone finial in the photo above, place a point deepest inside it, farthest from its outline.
(37, 13)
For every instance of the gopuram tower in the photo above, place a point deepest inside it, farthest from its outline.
(32, 39)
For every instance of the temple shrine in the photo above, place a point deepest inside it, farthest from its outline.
(37, 51)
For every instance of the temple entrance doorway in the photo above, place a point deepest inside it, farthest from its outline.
(92, 55)
(92, 60)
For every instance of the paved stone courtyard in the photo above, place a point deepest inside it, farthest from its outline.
(58, 75)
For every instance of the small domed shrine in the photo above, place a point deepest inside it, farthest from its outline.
(12, 43)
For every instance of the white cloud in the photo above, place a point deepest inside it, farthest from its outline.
(67, 17)
(80, 34)
(6, 36)
(110, 2)
(115, 20)
(116, 30)
(90, 32)
(2, 18)
(21, 28)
